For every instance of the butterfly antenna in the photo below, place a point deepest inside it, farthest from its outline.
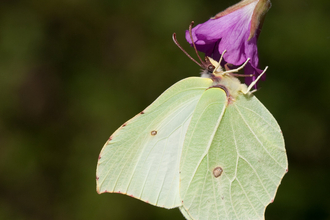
(193, 43)
(222, 56)
(177, 44)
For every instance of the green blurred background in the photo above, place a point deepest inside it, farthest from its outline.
(72, 71)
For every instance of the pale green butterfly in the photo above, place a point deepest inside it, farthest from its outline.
(206, 145)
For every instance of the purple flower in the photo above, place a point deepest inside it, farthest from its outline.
(236, 30)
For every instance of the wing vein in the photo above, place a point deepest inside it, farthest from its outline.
(148, 128)
(211, 139)
(214, 190)
(241, 106)
(237, 158)
(247, 197)
(257, 137)
(263, 186)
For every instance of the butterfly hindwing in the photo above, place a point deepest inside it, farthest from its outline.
(195, 169)
(248, 152)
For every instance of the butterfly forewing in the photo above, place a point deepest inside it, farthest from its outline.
(142, 157)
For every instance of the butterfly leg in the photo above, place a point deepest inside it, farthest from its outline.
(237, 69)
(254, 82)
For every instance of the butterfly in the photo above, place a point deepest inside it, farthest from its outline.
(206, 145)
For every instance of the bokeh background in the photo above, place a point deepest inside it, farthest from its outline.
(72, 71)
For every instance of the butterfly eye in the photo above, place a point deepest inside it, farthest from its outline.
(210, 68)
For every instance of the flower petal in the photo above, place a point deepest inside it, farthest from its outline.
(236, 30)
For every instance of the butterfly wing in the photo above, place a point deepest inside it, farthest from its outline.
(194, 166)
(239, 174)
(185, 213)
(141, 158)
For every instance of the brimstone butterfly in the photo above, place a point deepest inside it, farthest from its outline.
(206, 145)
